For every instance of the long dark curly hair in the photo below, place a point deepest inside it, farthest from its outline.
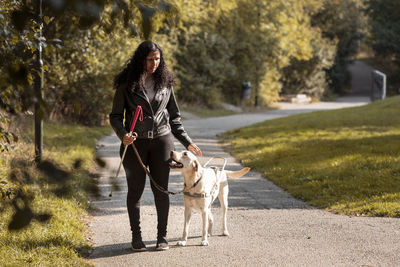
(134, 72)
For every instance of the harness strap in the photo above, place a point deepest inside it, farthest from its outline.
(196, 183)
(196, 195)
(223, 166)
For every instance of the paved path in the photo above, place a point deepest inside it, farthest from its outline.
(268, 227)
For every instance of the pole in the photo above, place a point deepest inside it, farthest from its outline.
(257, 71)
(38, 86)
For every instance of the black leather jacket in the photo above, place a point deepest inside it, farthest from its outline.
(159, 118)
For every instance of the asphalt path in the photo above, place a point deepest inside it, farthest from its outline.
(267, 226)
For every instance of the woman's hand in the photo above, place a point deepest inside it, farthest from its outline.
(195, 149)
(127, 140)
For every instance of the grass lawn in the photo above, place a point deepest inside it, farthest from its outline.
(346, 161)
(62, 240)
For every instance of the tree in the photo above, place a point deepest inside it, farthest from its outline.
(79, 82)
(341, 22)
(384, 18)
(250, 41)
(202, 55)
(79, 56)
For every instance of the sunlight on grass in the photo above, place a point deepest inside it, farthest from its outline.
(61, 241)
(346, 161)
(54, 244)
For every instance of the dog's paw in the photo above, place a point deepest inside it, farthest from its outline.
(181, 243)
(226, 233)
(204, 243)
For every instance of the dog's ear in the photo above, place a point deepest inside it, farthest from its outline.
(196, 165)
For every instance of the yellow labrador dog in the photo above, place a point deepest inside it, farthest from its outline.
(202, 186)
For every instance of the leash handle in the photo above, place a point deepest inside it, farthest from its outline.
(138, 112)
(223, 166)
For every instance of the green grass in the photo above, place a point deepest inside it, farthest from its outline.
(61, 241)
(346, 161)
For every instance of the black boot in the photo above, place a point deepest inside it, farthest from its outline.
(137, 243)
(162, 243)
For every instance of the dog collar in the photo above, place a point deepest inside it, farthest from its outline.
(195, 183)
(197, 195)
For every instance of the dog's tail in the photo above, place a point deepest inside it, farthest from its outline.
(237, 174)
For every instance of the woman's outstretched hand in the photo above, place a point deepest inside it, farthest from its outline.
(127, 140)
(195, 150)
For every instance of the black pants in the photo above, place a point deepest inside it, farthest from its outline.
(154, 154)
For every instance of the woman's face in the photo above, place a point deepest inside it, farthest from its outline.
(152, 61)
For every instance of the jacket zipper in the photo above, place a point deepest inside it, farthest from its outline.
(152, 111)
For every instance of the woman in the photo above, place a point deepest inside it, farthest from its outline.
(146, 81)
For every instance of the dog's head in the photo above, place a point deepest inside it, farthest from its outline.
(184, 161)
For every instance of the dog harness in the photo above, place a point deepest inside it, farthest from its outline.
(205, 195)
(197, 195)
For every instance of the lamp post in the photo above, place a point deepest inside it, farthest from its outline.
(257, 72)
(38, 87)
